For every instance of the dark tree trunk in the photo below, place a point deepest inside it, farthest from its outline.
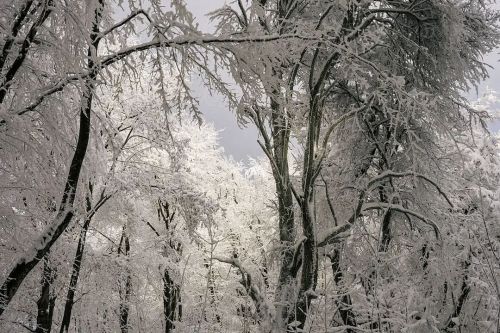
(172, 307)
(75, 273)
(344, 305)
(77, 262)
(386, 232)
(287, 232)
(126, 290)
(65, 214)
(47, 300)
(462, 298)
(309, 274)
(276, 148)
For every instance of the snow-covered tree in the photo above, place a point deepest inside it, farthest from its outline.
(374, 208)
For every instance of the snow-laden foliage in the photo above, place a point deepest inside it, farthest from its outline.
(374, 207)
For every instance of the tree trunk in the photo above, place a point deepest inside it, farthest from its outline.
(462, 298)
(386, 232)
(75, 273)
(344, 305)
(127, 289)
(77, 262)
(311, 169)
(47, 300)
(65, 214)
(284, 292)
(309, 275)
(276, 149)
(172, 308)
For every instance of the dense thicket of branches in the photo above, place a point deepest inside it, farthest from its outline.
(375, 206)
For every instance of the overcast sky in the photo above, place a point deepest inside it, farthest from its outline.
(241, 143)
(237, 142)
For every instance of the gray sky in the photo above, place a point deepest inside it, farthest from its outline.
(242, 142)
(237, 142)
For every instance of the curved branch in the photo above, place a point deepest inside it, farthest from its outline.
(155, 43)
(393, 174)
(254, 292)
(401, 209)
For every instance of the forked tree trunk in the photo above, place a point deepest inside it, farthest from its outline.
(287, 232)
(311, 169)
(276, 148)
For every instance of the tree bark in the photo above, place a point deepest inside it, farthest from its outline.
(77, 262)
(276, 148)
(75, 273)
(47, 300)
(344, 305)
(126, 291)
(309, 274)
(287, 232)
(462, 298)
(172, 308)
(65, 214)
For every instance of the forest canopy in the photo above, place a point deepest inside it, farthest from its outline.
(374, 208)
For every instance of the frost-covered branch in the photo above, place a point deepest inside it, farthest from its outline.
(333, 126)
(401, 209)
(393, 174)
(105, 61)
(126, 20)
(261, 304)
(401, 11)
(333, 235)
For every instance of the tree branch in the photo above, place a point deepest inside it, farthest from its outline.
(392, 174)
(155, 43)
(401, 209)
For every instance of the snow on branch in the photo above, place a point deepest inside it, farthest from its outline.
(108, 60)
(333, 235)
(254, 292)
(334, 125)
(125, 21)
(392, 174)
(401, 11)
(401, 209)
(297, 255)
